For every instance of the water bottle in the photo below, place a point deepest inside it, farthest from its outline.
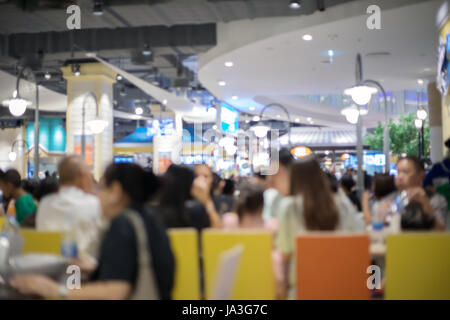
(69, 247)
(378, 221)
(400, 202)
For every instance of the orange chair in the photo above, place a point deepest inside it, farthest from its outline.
(332, 266)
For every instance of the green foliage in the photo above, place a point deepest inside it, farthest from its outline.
(403, 136)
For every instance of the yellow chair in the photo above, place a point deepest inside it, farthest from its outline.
(255, 278)
(2, 222)
(418, 266)
(184, 244)
(41, 241)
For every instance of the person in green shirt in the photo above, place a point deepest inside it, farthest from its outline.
(12, 188)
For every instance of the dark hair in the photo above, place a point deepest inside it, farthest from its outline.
(418, 164)
(176, 190)
(178, 181)
(12, 176)
(216, 180)
(308, 180)
(347, 182)
(333, 181)
(47, 186)
(228, 189)
(2, 174)
(31, 186)
(251, 199)
(447, 143)
(383, 184)
(138, 184)
(285, 158)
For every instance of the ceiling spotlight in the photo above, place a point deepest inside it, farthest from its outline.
(119, 77)
(76, 70)
(252, 108)
(307, 37)
(139, 111)
(420, 81)
(165, 102)
(229, 64)
(330, 53)
(295, 4)
(146, 51)
(47, 76)
(222, 83)
(309, 119)
(297, 120)
(256, 118)
(234, 97)
(98, 8)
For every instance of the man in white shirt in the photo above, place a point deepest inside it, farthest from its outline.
(72, 208)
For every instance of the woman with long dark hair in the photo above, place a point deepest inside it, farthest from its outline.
(135, 259)
(312, 206)
(185, 200)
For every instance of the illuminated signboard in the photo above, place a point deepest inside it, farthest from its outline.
(374, 159)
(301, 152)
(228, 119)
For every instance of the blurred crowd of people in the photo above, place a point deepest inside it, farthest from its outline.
(124, 217)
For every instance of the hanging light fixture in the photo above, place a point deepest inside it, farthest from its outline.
(422, 113)
(360, 94)
(17, 105)
(97, 125)
(351, 114)
(418, 123)
(260, 129)
(12, 156)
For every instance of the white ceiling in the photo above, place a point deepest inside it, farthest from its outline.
(278, 65)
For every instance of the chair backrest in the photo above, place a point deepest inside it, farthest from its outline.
(332, 266)
(184, 243)
(41, 241)
(418, 266)
(2, 222)
(226, 276)
(255, 278)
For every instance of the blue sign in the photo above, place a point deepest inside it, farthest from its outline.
(229, 119)
(370, 159)
(123, 159)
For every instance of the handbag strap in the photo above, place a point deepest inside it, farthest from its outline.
(146, 287)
